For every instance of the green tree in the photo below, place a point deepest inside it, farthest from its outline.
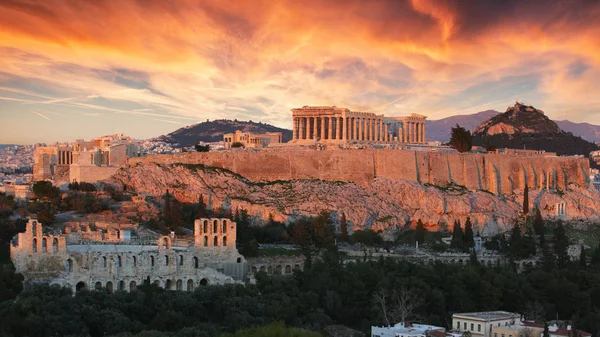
(473, 259)
(526, 200)
(546, 332)
(202, 148)
(538, 226)
(457, 236)
(468, 239)
(420, 232)
(582, 259)
(201, 208)
(461, 139)
(561, 245)
(595, 262)
(343, 228)
(44, 189)
(548, 259)
(514, 243)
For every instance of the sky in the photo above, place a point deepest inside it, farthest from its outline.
(81, 69)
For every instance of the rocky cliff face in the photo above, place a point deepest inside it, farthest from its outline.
(384, 204)
(519, 118)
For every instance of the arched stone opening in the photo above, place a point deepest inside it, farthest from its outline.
(80, 286)
(179, 285)
(224, 241)
(224, 226)
(69, 266)
(239, 260)
(278, 270)
(132, 286)
(195, 262)
(205, 227)
(55, 245)
(215, 226)
(270, 270)
(34, 246)
(134, 260)
(254, 270)
(121, 286)
(44, 245)
(166, 260)
(109, 287)
(98, 286)
(157, 283)
(190, 285)
(297, 267)
(215, 242)
(34, 227)
(168, 284)
(460, 261)
(262, 268)
(203, 282)
(151, 261)
(119, 261)
(104, 263)
(205, 241)
(288, 269)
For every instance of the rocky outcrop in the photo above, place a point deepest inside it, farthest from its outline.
(384, 204)
(519, 118)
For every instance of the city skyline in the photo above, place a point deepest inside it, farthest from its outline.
(148, 68)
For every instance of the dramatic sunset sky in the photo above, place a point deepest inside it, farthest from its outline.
(78, 69)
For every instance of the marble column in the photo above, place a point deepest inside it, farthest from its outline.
(422, 132)
(345, 121)
(377, 130)
(301, 127)
(329, 128)
(295, 128)
(404, 132)
(360, 128)
(314, 128)
(338, 128)
(322, 135)
(412, 132)
(387, 133)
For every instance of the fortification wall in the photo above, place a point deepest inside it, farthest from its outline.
(490, 172)
(90, 174)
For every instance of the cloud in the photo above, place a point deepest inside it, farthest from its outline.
(192, 60)
(41, 115)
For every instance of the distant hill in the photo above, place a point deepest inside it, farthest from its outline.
(439, 130)
(212, 131)
(523, 126)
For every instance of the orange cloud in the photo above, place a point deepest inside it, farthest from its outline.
(204, 59)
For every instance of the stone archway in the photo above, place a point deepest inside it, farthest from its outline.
(80, 286)
(203, 282)
(132, 286)
(190, 285)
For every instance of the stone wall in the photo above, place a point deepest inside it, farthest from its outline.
(90, 173)
(491, 172)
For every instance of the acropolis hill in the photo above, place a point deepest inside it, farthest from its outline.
(375, 188)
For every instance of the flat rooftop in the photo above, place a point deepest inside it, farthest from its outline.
(488, 315)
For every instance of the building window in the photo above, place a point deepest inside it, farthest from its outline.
(69, 266)
(205, 226)
(181, 260)
(479, 327)
(495, 334)
(465, 326)
(458, 325)
(224, 241)
(224, 226)
(195, 262)
(151, 261)
(119, 263)
(215, 226)
(472, 327)
(216, 242)
(166, 260)
(44, 243)
(55, 245)
(104, 261)
(135, 261)
(34, 246)
(502, 335)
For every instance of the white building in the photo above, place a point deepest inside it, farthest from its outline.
(405, 330)
(480, 324)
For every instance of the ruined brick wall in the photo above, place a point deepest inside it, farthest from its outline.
(490, 172)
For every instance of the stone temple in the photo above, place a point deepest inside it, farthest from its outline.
(82, 258)
(330, 124)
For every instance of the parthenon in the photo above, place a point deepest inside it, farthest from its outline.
(331, 124)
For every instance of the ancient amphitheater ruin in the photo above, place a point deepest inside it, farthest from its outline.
(82, 258)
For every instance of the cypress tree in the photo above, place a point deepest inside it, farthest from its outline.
(514, 243)
(546, 332)
(201, 208)
(420, 232)
(582, 259)
(595, 263)
(468, 240)
(526, 200)
(561, 245)
(538, 226)
(457, 235)
(343, 228)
